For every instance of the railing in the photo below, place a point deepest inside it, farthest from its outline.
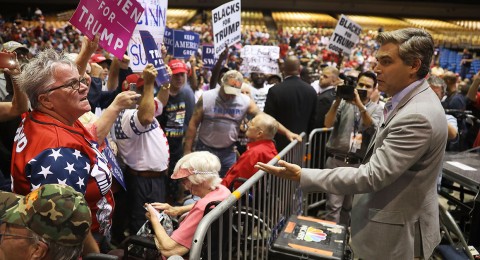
(316, 156)
(249, 220)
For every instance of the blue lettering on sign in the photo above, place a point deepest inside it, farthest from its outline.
(154, 17)
(138, 57)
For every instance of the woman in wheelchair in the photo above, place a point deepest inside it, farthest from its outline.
(198, 172)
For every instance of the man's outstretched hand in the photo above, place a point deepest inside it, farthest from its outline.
(285, 170)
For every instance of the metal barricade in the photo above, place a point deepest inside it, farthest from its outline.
(316, 156)
(245, 224)
(317, 147)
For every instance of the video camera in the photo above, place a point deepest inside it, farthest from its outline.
(346, 91)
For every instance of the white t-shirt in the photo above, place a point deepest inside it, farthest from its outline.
(142, 148)
(260, 95)
(316, 85)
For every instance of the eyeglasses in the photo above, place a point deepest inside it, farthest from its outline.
(364, 85)
(14, 236)
(75, 85)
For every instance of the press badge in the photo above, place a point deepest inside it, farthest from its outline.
(355, 142)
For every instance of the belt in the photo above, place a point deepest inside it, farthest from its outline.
(347, 159)
(147, 174)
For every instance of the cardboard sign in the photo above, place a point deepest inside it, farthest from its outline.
(260, 59)
(113, 20)
(185, 44)
(154, 20)
(208, 56)
(154, 57)
(226, 20)
(345, 36)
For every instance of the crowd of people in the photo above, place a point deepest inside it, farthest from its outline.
(121, 145)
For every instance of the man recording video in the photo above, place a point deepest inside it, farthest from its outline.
(354, 119)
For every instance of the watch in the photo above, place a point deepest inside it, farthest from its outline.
(363, 110)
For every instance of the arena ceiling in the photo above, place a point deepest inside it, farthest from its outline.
(442, 9)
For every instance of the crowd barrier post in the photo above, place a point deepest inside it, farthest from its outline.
(245, 224)
(316, 156)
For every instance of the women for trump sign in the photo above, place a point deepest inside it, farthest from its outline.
(113, 20)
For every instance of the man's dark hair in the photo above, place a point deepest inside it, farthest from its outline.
(369, 74)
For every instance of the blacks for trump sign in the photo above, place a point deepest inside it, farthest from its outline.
(226, 20)
(345, 36)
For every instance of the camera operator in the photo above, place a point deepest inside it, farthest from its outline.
(354, 120)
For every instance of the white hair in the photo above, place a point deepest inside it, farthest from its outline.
(205, 166)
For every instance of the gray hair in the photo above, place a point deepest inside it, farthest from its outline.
(232, 74)
(437, 82)
(268, 124)
(412, 44)
(59, 252)
(207, 166)
(37, 75)
(334, 71)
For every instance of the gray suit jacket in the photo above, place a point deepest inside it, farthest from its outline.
(395, 211)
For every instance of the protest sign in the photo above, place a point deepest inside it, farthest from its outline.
(208, 58)
(260, 59)
(185, 44)
(345, 36)
(114, 21)
(154, 20)
(154, 57)
(168, 40)
(226, 20)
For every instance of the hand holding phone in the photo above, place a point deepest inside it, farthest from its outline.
(8, 60)
(133, 86)
(156, 212)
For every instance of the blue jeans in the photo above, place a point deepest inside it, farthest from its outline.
(226, 155)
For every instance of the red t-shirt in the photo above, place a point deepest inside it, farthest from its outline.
(47, 151)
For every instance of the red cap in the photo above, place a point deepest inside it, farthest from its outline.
(177, 66)
(97, 58)
(132, 78)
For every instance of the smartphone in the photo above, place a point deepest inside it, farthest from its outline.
(8, 60)
(133, 86)
(156, 213)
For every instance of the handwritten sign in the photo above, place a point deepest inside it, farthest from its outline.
(154, 20)
(260, 59)
(113, 20)
(226, 20)
(345, 36)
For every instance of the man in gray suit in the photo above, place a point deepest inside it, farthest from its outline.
(395, 211)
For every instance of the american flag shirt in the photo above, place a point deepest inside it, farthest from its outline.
(47, 151)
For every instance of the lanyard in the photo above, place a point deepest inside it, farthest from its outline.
(356, 120)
